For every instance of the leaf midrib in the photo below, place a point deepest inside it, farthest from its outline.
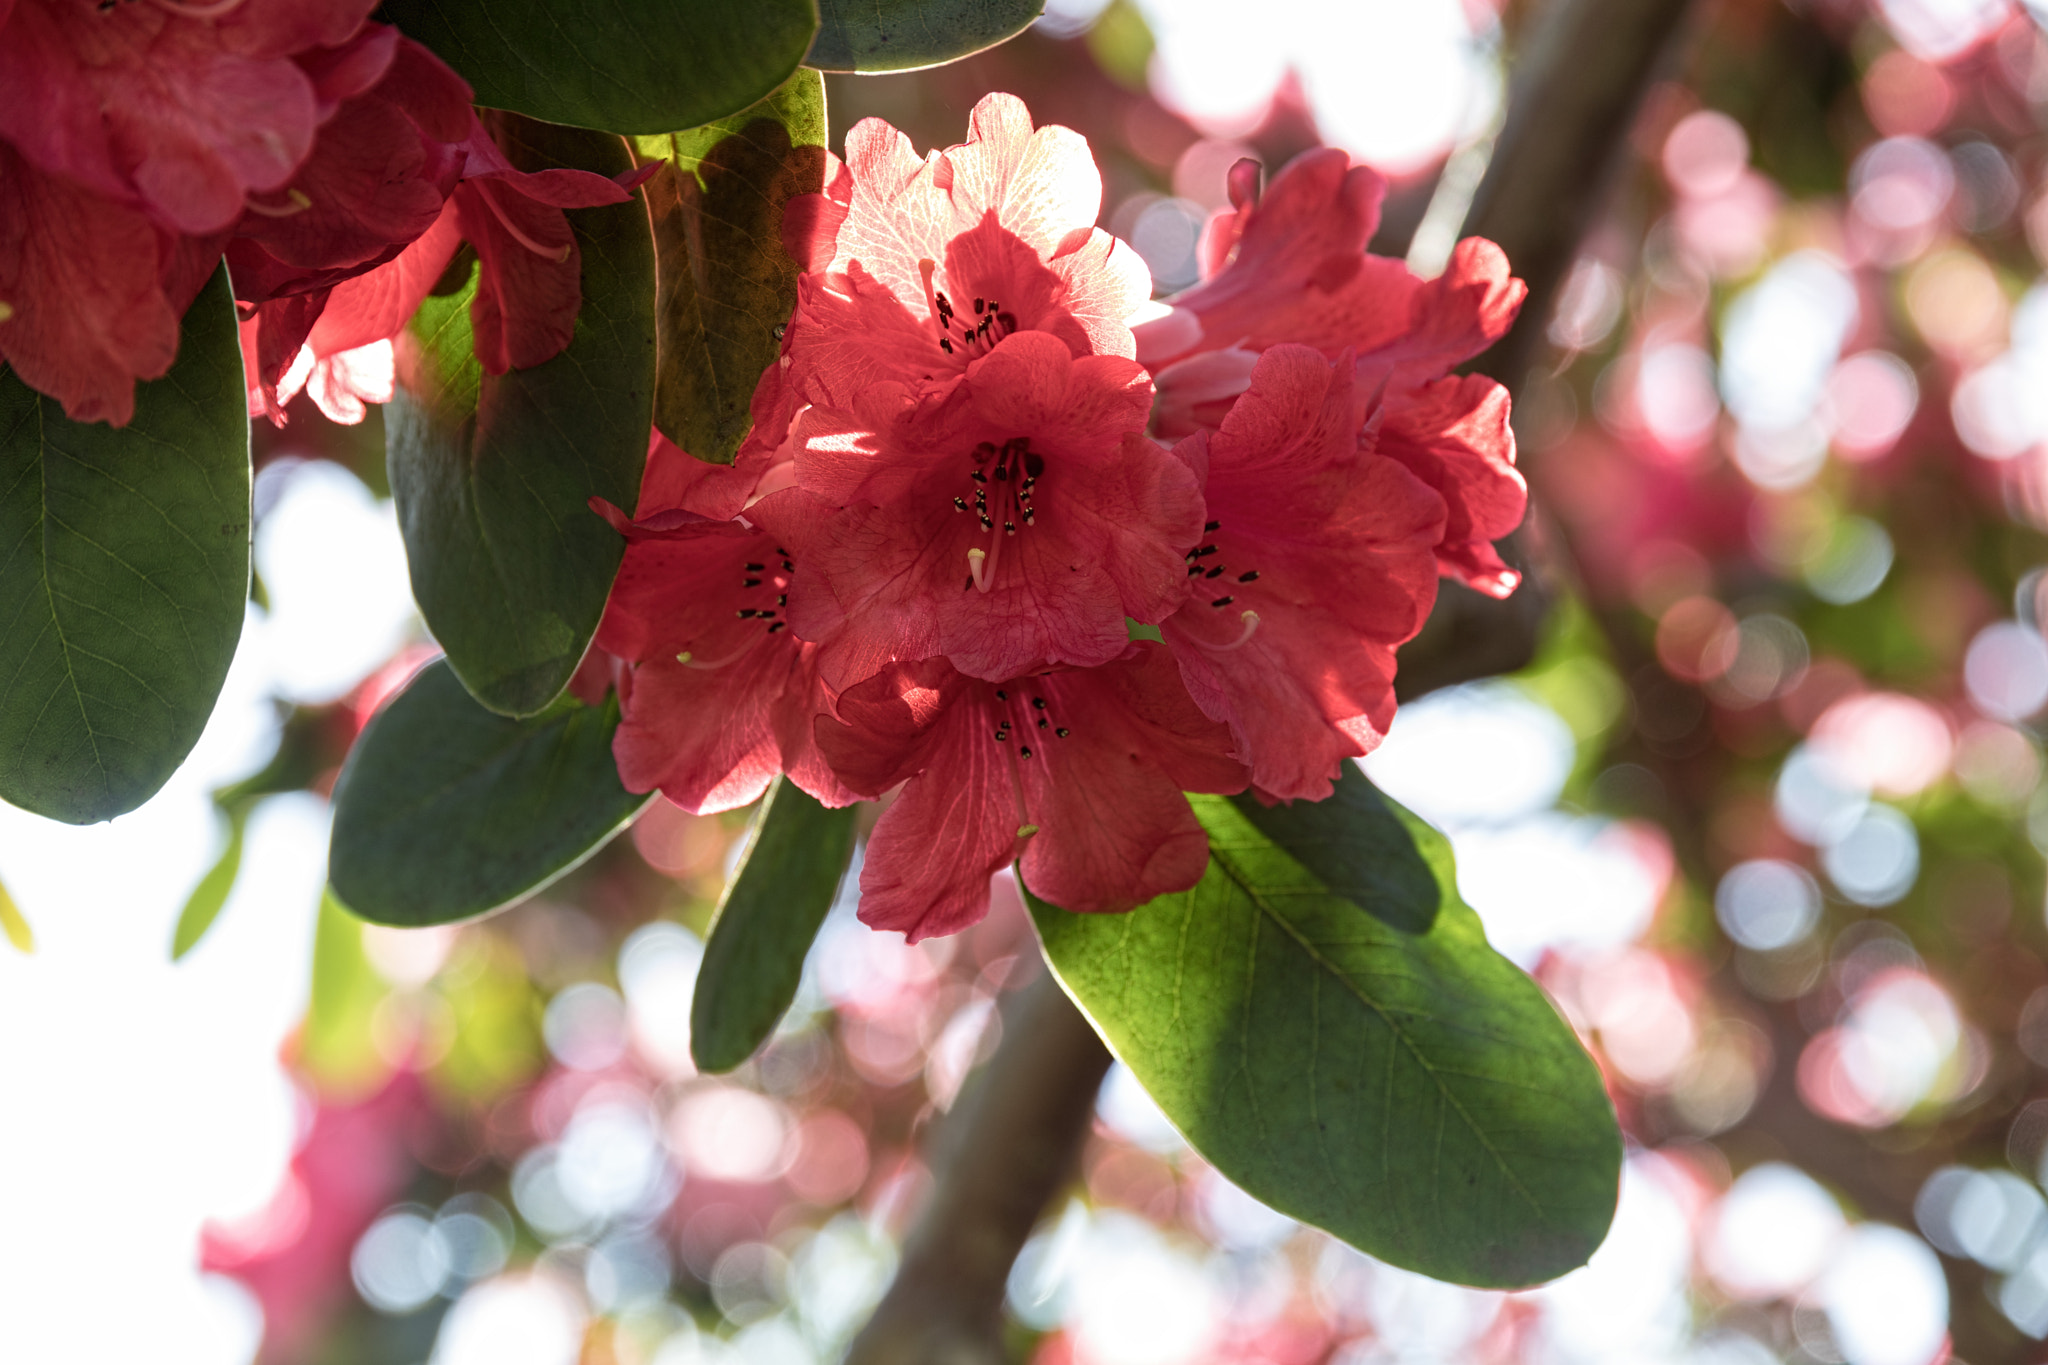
(1241, 879)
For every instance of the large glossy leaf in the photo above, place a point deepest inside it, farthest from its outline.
(725, 284)
(124, 570)
(901, 35)
(445, 811)
(771, 910)
(627, 66)
(493, 473)
(1411, 1092)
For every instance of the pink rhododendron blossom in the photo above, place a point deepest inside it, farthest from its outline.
(83, 307)
(1292, 268)
(1077, 772)
(933, 262)
(717, 695)
(182, 111)
(1012, 523)
(1317, 561)
(528, 291)
(386, 158)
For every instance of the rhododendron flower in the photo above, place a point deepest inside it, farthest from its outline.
(90, 293)
(1292, 267)
(181, 110)
(386, 158)
(1014, 522)
(918, 268)
(1079, 772)
(717, 696)
(1317, 561)
(529, 285)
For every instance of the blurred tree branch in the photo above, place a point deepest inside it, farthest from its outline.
(1013, 1142)
(1576, 88)
(1002, 1155)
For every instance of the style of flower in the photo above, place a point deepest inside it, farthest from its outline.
(1011, 522)
(717, 696)
(917, 268)
(1292, 267)
(1318, 559)
(1077, 772)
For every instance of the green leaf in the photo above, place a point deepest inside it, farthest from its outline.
(493, 473)
(14, 925)
(445, 811)
(208, 898)
(725, 286)
(902, 35)
(1411, 1092)
(628, 66)
(338, 1046)
(124, 569)
(795, 855)
(1355, 847)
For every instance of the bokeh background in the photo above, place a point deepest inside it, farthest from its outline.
(1765, 815)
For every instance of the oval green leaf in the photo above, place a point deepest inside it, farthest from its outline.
(1411, 1092)
(724, 284)
(124, 573)
(625, 66)
(903, 35)
(493, 473)
(788, 874)
(445, 811)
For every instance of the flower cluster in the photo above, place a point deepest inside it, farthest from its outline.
(1041, 570)
(335, 162)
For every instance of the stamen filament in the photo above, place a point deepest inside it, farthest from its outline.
(1251, 626)
(483, 188)
(189, 11)
(295, 202)
(688, 660)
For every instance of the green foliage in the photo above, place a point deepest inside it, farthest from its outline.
(208, 898)
(445, 811)
(628, 66)
(495, 1042)
(493, 473)
(124, 566)
(902, 35)
(724, 284)
(1406, 1089)
(336, 1047)
(771, 910)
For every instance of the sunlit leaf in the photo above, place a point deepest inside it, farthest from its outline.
(902, 35)
(493, 473)
(629, 66)
(14, 924)
(445, 811)
(337, 1050)
(725, 284)
(208, 898)
(1410, 1091)
(124, 569)
(795, 856)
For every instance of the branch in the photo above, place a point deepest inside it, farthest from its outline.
(1006, 1150)
(1575, 93)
